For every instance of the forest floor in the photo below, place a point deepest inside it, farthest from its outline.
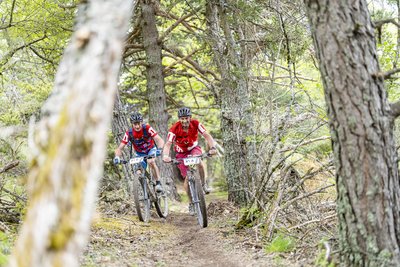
(121, 240)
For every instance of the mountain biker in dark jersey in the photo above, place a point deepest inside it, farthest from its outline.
(142, 136)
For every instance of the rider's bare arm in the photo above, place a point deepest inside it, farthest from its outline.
(159, 141)
(118, 151)
(210, 141)
(166, 149)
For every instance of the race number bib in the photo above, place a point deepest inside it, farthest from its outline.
(191, 161)
(135, 160)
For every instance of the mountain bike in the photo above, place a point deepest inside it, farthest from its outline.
(195, 186)
(143, 190)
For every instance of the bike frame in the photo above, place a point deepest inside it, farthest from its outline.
(191, 179)
(146, 182)
(195, 187)
(143, 178)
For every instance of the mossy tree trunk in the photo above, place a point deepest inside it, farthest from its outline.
(158, 113)
(68, 144)
(361, 130)
(232, 59)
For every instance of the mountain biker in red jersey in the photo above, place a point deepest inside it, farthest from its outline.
(184, 134)
(142, 137)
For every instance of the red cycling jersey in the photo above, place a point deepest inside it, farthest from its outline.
(185, 141)
(140, 142)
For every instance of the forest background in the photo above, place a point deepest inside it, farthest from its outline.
(249, 72)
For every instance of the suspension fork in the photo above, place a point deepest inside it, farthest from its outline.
(191, 184)
(142, 179)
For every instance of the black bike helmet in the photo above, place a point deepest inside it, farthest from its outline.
(136, 117)
(184, 112)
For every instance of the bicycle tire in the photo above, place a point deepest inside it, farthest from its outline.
(141, 198)
(161, 205)
(200, 206)
(160, 200)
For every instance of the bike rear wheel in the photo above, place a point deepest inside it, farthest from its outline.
(142, 199)
(200, 203)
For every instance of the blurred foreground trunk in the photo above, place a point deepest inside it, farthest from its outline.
(68, 144)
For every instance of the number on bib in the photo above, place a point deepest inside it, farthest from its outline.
(136, 160)
(191, 161)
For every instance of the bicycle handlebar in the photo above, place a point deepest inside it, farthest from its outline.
(158, 153)
(202, 156)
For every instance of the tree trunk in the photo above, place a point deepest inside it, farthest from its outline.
(119, 126)
(361, 130)
(158, 113)
(69, 143)
(396, 60)
(236, 117)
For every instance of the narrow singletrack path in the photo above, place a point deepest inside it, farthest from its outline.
(175, 241)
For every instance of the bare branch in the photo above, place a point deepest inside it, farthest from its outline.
(14, 194)
(180, 60)
(380, 23)
(312, 221)
(174, 53)
(173, 26)
(11, 17)
(70, 6)
(9, 166)
(42, 57)
(10, 54)
(304, 143)
(4, 227)
(385, 75)
(165, 14)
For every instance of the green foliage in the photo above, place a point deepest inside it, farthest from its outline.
(321, 260)
(17, 107)
(248, 216)
(30, 50)
(281, 243)
(221, 184)
(5, 248)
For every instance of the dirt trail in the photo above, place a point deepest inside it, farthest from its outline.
(176, 241)
(200, 246)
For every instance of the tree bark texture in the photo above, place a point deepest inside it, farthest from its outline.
(119, 126)
(158, 113)
(361, 130)
(236, 119)
(68, 144)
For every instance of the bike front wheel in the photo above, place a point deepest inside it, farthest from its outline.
(200, 203)
(142, 199)
(161, 204)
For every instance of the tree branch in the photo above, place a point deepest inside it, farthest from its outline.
(380, 23)
(165, 14)
(180, 60)
(175, 53)
(385, 75)
(9, 55)
(395, 109)
(9, 166)
(173, 26)
(42, 57)
(293, 147)
(11, 17)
